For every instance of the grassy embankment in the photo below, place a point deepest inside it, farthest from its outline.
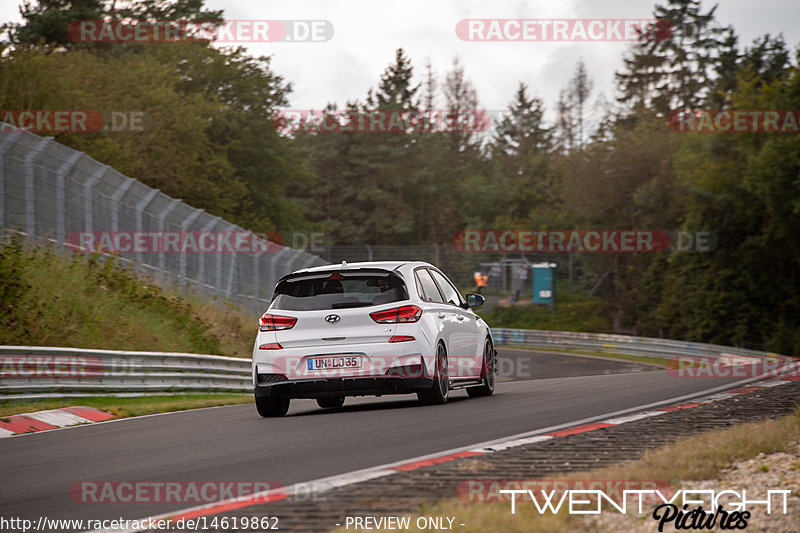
(48, 299)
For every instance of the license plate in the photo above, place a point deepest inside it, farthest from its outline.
(335, 362)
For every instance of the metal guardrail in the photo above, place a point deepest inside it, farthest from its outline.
(28, 372)
(618, 344)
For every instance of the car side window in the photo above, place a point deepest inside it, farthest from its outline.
(451, 295)
(429, 291)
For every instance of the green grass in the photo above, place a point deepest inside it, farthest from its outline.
(92, 301)
(659, 361)
(128, 406)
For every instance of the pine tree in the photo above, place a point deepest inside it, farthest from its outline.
(580, 89)
(520, 150)
(565, 122)
(677, 71)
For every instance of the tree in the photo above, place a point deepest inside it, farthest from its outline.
(521, 130)
(565, 122)
(210, 139)
(462, 104)
(745, 188)
(47, 22)
(430, 87)
(579, 91)
(678, 71)
(520, 152)
(395, 90)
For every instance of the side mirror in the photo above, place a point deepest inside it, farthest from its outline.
(475, 300)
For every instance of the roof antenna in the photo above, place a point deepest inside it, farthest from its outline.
(344, 264)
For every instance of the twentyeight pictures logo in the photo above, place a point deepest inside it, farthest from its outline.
(552, 30)
(221, 31)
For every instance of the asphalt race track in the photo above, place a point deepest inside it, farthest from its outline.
(535, 390)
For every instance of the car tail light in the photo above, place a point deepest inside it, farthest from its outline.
(276, 322)
(402, 338)
(406, 313)
(271, 346)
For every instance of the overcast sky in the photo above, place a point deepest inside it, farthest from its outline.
(367, 32)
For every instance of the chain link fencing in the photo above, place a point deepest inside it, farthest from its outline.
(50, 192)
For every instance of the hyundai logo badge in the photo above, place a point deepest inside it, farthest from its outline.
(332, 319)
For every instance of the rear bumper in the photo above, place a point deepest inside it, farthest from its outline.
(272, 385)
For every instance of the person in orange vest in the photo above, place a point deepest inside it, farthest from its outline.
(481, 280)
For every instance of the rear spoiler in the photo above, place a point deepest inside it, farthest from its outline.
(345, 273)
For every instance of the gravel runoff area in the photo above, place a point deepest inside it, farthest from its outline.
(780, 470)
(406, 492)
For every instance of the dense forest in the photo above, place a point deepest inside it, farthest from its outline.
(212, 141)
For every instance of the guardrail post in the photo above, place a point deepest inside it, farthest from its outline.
(311, 260)
(30, 188)
(231, 270)
(183, 260)
(298, 255)
(8, 141)
(140, 210)
(569, 284)
(162, 219)
(256, 280)
(116, 199)
(201, 268)
(273, 266)
(61, 197)
(88, 203)
(219, 285)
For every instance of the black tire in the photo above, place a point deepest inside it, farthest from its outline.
(489, 367)
(268, 406)
(440, 390)
(331, 403)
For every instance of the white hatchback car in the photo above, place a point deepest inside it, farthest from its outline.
(369, 329)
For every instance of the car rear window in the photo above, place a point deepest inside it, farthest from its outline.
(338, 291)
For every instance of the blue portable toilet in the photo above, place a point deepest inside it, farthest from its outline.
(544, 283)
